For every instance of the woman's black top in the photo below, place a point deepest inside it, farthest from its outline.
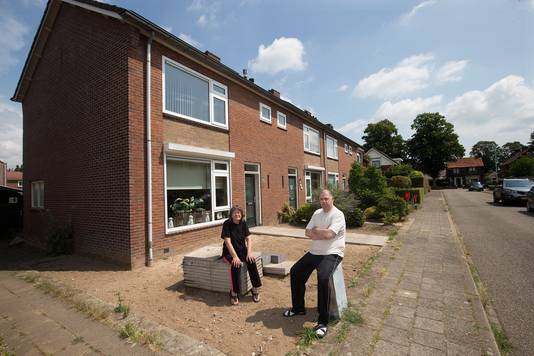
(237, 234)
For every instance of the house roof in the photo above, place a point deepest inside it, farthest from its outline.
(13, 175)
(393, 160)
(466, 162)
(517, 155)
(160, 35)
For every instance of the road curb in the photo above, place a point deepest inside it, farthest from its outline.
(479, 309)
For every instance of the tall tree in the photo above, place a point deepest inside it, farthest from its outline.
(523, 167)
(511, 148)
(434, 143)
(384, 137)
(490, 152)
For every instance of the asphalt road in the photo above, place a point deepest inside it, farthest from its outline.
(500, 240)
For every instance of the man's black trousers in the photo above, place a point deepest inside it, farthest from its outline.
(301, 271)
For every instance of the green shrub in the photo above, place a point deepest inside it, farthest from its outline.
(354, 218)
(402, 169)
(418, 182)
(391, 203)
(413, 195)
(60, 240)
(390, 218)
(303, 214)
(415, 173)
(401, 182)
(286, 214)
(372, 213)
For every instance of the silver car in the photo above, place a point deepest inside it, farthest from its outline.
(530, 200)
(512, 190)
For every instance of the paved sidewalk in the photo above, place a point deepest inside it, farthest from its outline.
(33, 323)
(351, 238)
(418, 298)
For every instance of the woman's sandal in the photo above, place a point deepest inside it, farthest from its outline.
(255, 295)
(234, 299)
(320, 330)
(289, 313)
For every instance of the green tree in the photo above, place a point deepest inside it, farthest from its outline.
(434, 143)
(368, 184)
(511, 148)
(384, 137)
(489, 151)
(523, 167)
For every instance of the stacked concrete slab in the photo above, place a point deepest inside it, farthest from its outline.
(205, 269)
(275, 263)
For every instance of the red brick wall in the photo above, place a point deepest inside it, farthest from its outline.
(76, 134)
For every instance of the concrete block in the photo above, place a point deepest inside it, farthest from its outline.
(338, 300)
(279, 269)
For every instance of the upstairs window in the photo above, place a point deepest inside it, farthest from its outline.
(346, 148)
(281, 120)
(265, 113)
(193, 96)
(331, 147)
(311, 140)
(37, 195)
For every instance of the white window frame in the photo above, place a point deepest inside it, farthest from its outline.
(264, 119)
(350, 150)
(308, 191)
(358, 157)
(307, 135)
(37, 194)
(214, 209)
(373, 161)
(212, 94)
(278, 115)
(328, 154)
(336, 178)
(19, 183)
(346, 148)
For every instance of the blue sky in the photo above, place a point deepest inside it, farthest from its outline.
(349, 62)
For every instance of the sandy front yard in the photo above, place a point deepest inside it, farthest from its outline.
(158, 293)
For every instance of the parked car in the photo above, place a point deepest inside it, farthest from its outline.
(512, 190)
(476, 186)
(530, 200)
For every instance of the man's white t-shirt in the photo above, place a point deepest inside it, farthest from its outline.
(333, 220)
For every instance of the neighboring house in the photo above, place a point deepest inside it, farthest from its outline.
(14, 179)
(381, 160)
(464, 171)
(3, 174)
(128, 147)
(504, 167)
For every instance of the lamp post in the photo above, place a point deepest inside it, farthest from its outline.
(496, 169)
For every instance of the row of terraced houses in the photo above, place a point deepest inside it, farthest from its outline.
(121, 119)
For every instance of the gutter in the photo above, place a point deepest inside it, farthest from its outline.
(148, 96)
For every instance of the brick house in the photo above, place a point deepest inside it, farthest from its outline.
(464, 171)
(14, 179)
(100, 155)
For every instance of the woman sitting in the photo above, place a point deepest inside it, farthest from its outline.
(237, 249)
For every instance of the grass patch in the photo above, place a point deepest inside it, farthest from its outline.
(392, 234)
(342, 332)
(502, 339)
(307, 337)
(3, 348)
(352, 315)
(121, 308)
(77, 340)
(136, 335)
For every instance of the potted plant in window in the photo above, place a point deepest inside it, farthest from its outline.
(182, 208)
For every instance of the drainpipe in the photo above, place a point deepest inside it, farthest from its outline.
(148, 96)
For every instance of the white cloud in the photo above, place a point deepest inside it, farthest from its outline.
(208, 12)
(405, 18)
(202, 20)
(10, 133)
(451, 71)
(502, 112)
(187, 38)
(283, 54)
(11, 41)
(405, 111)
(342, 88)
(410, 75)
(167, 28)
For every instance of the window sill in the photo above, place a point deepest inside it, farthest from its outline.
(266, 121)
(312, 153)
(282, 128)
(187, 228)
(333, 158)
(194, 121)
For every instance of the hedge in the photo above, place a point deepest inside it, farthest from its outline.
(408, 194)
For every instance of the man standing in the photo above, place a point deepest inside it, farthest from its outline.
(326, 229)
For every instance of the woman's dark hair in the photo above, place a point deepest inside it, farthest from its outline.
(237, 208)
